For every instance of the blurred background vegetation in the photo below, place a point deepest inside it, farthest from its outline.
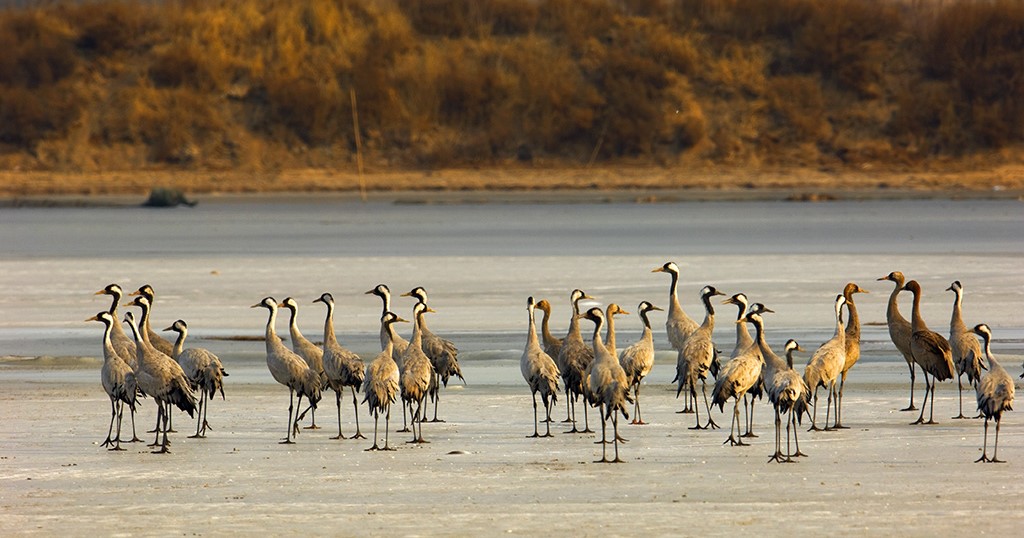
(265, 85)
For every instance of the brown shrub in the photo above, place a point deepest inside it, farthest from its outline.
(843, 40)
(38, 49)
(29, 115)
(113, 26)
(185, 65)
(979, 48)
(797, 108)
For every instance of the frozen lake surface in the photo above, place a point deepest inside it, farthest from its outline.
(479, 262)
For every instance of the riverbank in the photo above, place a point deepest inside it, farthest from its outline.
(612, 183)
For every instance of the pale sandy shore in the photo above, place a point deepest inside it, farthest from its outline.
(481, 475)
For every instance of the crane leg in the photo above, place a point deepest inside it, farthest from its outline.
(913, 377)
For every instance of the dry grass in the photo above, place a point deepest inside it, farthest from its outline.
(259, 85)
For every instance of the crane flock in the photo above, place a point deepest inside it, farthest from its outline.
(594, 373)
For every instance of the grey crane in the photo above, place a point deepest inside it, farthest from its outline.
(290, 370)
(966, 352)
(995, 395)
(118, 382)
(380, 382)
(900, 330)
(414, 379)
(694, 359)
(931, 351)
(573, 360)
(826, 365)
(606, 387)
(540, 372)
(443, 355)
(552, 344)
(637, 360)
(153, 337)
(161, 378)
(204, 371)
(678, 325)
(852, 346)
(342, 367)
(310, 352)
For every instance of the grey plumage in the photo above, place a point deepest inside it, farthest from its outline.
(785, 387)
(967, 356)
(310, 352)
(606, 387)
(123, 344)
(540, 372)
(552, 344)
(204, 371)
(161, 378)
(638, 359)
(931, 351)
(414, 379)
(288, 369)
(154, 338)
(442, 353)
(381, 381)
(900, 330)
(826, 365)
(118, 382)
(694, 359)
(342, 367)
(387, 330)
(573, 360)
(852, 342)
(994, 393)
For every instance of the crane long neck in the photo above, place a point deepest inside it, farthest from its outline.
(957, 320)
(115, 299)
(852, 324)
(892, 310)
(840, 332)
(742, 309)
(329, 337)
(108, 345)
(917, 320)
(789, 358)
(643, 318)
(610, 338)
(386, 298)
(545, 327)
(532, 334)
(270, 334)
(144, 322)
(709, 312)
(417, 331)
(598, 325)
(179, 343)
(992, 362)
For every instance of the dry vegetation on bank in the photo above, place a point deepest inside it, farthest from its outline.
(263, 87)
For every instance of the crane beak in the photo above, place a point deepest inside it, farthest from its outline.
(769, 310)
(257, 305)
(94, 318)
(101, 292)
(171, 328)
(400, 320)
(886, 277)
(134, 293)
(658, 270)
(656, 308)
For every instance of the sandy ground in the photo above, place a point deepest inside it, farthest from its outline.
(643, 182)
(481, 474)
